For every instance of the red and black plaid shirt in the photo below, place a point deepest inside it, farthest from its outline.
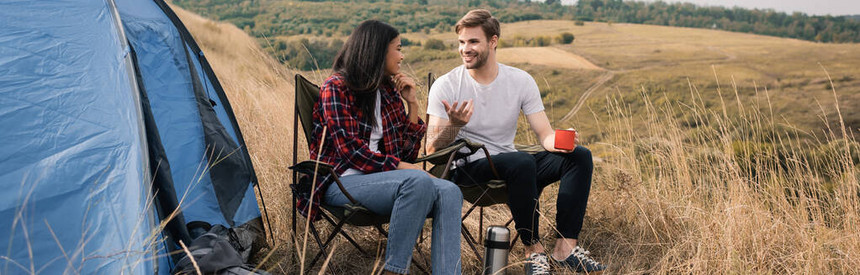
(348, 135)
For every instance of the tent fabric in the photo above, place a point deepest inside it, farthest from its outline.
(168, 64)
(111, 119)
(72, 158)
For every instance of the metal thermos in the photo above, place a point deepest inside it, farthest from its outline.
(496, 248)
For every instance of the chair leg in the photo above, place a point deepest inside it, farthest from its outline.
(466, 215)
(293, 234)
(414, 261)
(419, 265)
(471, 242)
(481, 223)
(421, 252)
(381, 230)
(335, 231)
(294, 219)
(514, 241)
(345, 235)
(516, 235)
(320, 244)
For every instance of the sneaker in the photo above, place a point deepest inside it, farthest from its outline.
(537, 264)
(580, 261)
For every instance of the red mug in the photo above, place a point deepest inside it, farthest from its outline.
(565, 139)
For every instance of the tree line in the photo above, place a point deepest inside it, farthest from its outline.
(268, 18)
(291, 30)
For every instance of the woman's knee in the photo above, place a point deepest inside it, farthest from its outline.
(448, 190)
(416, 182)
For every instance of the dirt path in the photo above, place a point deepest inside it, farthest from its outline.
(555, 57)
(547, 56)
(602, 80)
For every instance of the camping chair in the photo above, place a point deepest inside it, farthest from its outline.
(478, 194)
(307, 94)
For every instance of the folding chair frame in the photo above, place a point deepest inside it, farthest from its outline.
(447, 156)
(311, 168)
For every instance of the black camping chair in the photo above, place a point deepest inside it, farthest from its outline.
(307, 94)
(480, 194)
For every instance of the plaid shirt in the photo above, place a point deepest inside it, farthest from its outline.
(348, 135)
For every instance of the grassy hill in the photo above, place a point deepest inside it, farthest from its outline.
(671, 64)
(718, 152)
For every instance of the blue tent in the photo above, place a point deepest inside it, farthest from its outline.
(116, 139)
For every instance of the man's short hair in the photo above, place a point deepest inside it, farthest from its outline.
(482, 18)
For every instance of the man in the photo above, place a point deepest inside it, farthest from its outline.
(481, 101)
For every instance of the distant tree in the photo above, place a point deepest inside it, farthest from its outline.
(435, 44)
(542, 41)
(565, 38)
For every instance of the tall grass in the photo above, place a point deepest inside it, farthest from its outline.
(692, 189)
(732, 195)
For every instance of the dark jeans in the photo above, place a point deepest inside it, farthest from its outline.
(526, 175)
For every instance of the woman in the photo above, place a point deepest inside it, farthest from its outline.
(370, 138)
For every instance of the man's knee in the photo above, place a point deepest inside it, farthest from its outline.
(515, 161)
(581, 156)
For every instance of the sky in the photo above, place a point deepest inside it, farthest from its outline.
(811, 7)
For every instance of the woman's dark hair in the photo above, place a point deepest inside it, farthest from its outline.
(361, 62)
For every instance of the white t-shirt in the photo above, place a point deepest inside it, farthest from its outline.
(497, 105)
(375, 135)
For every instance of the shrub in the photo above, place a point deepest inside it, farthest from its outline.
(565, 38)
(542, 41)
(435, 44)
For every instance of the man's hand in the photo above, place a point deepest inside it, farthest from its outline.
(406, 86)
(549, 143)
(459, 117)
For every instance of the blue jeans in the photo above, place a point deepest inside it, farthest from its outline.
(409, 196)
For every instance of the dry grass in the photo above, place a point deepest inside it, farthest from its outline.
(666, 198)
(681, 202)
(546, 56)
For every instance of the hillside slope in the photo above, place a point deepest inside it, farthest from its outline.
(666, 63)
(696, 177)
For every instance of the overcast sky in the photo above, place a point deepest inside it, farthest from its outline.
(812, 7)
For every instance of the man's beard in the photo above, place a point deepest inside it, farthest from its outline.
(480, 60)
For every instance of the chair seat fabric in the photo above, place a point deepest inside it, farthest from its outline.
(361, 216)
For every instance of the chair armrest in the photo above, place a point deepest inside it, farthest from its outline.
(529, 148)
(308, 167)
(441, 156)
(444, 155)
(322, 169)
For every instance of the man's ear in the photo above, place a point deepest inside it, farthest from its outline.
(494, 41)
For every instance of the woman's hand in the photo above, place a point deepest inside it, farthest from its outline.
(405, 165)
(406, 86)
